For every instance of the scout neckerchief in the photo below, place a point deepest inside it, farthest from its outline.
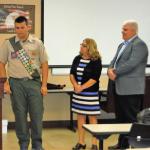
(24, 58)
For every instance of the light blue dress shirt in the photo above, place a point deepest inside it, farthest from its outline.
(125, 44)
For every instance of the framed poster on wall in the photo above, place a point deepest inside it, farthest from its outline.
(8, 13)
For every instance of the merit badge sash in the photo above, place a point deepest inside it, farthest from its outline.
(24, 58)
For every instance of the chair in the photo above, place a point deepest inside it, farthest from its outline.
(139, 135)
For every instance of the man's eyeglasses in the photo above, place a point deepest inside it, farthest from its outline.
(83, 45)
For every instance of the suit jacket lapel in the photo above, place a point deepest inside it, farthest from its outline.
(118, 50)
(126, 48)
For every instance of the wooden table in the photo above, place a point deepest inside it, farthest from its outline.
(103, 131)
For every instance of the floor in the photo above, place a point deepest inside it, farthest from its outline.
(55, 139)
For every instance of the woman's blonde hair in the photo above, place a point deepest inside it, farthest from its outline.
(92, 48)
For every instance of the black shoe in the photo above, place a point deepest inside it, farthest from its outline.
(79, 146)
(23, 146)
(37, 148)
(94, 147)
(114, 147)
(37, 145)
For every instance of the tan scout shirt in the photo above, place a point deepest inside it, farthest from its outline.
(35, 49)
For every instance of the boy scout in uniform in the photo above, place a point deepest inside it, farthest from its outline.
(25, 56)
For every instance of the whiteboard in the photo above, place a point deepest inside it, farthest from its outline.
(68, 22)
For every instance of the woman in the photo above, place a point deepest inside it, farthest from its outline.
(84, 75)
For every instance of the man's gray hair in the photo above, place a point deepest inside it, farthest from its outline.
(132, 23)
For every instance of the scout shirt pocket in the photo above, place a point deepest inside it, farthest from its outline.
(34, 55)
(13, 55)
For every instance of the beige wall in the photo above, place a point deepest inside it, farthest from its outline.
(56, 105)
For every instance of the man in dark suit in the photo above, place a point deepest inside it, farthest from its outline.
(127, 70)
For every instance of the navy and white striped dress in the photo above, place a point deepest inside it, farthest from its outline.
(86, 102)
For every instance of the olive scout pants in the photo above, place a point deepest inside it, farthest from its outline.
(26, 99)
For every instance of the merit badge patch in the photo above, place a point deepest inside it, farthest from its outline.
(13, 55)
